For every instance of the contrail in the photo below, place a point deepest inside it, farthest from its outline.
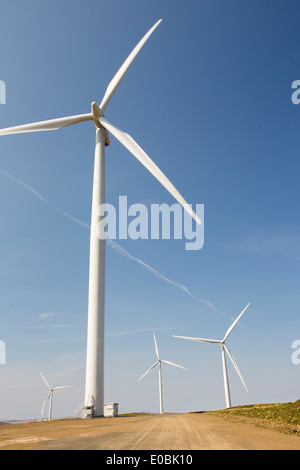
(43, 199)
(110, 242)
(156, 273)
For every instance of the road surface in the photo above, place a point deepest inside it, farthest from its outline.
(190, 431)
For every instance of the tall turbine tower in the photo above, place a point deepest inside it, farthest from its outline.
(94, 386)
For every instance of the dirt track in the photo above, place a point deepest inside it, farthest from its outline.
(145, 432)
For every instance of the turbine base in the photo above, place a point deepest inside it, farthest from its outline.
(88, 412)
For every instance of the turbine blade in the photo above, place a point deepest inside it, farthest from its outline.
(235, 366)
(234, 323)
(44, 404)
(201, 340)
(45, 380)
(148, 370)
(145, 160)
(172, 364)
(156, 348)
(115, 82)
(58, 388)
(51, 125)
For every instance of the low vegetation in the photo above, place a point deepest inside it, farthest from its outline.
(283, 417)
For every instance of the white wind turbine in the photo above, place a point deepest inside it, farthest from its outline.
(94, 386)
(159, 362)
(50, 397)
(223, 349)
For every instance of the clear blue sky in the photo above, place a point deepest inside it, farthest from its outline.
(209, 99)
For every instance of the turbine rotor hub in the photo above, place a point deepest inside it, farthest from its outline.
(97, 113)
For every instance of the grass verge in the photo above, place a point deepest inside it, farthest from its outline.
(283, 417)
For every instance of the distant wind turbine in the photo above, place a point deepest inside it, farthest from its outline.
(94, 385)
(159, 362)
(223, 349)
(50, 397)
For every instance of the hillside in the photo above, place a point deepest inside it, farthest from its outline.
(283, 417)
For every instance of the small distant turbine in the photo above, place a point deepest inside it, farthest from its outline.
(49, 397)
(158, 362)
(223, 349)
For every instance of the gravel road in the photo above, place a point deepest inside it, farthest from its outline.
(191, 431)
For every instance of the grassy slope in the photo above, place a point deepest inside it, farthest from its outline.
(283, 417)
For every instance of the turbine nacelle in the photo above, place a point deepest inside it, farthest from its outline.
(97, 113)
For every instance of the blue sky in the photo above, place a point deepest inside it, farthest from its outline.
(209, 99)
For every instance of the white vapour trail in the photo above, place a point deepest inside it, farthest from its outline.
(110, 242)
(126, 253)
(43, 199)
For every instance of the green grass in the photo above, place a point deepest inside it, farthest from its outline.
(284, 417)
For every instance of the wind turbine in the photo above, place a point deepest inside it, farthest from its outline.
(50, 397)
(223, 349)
(159, 362)
(94, 385)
